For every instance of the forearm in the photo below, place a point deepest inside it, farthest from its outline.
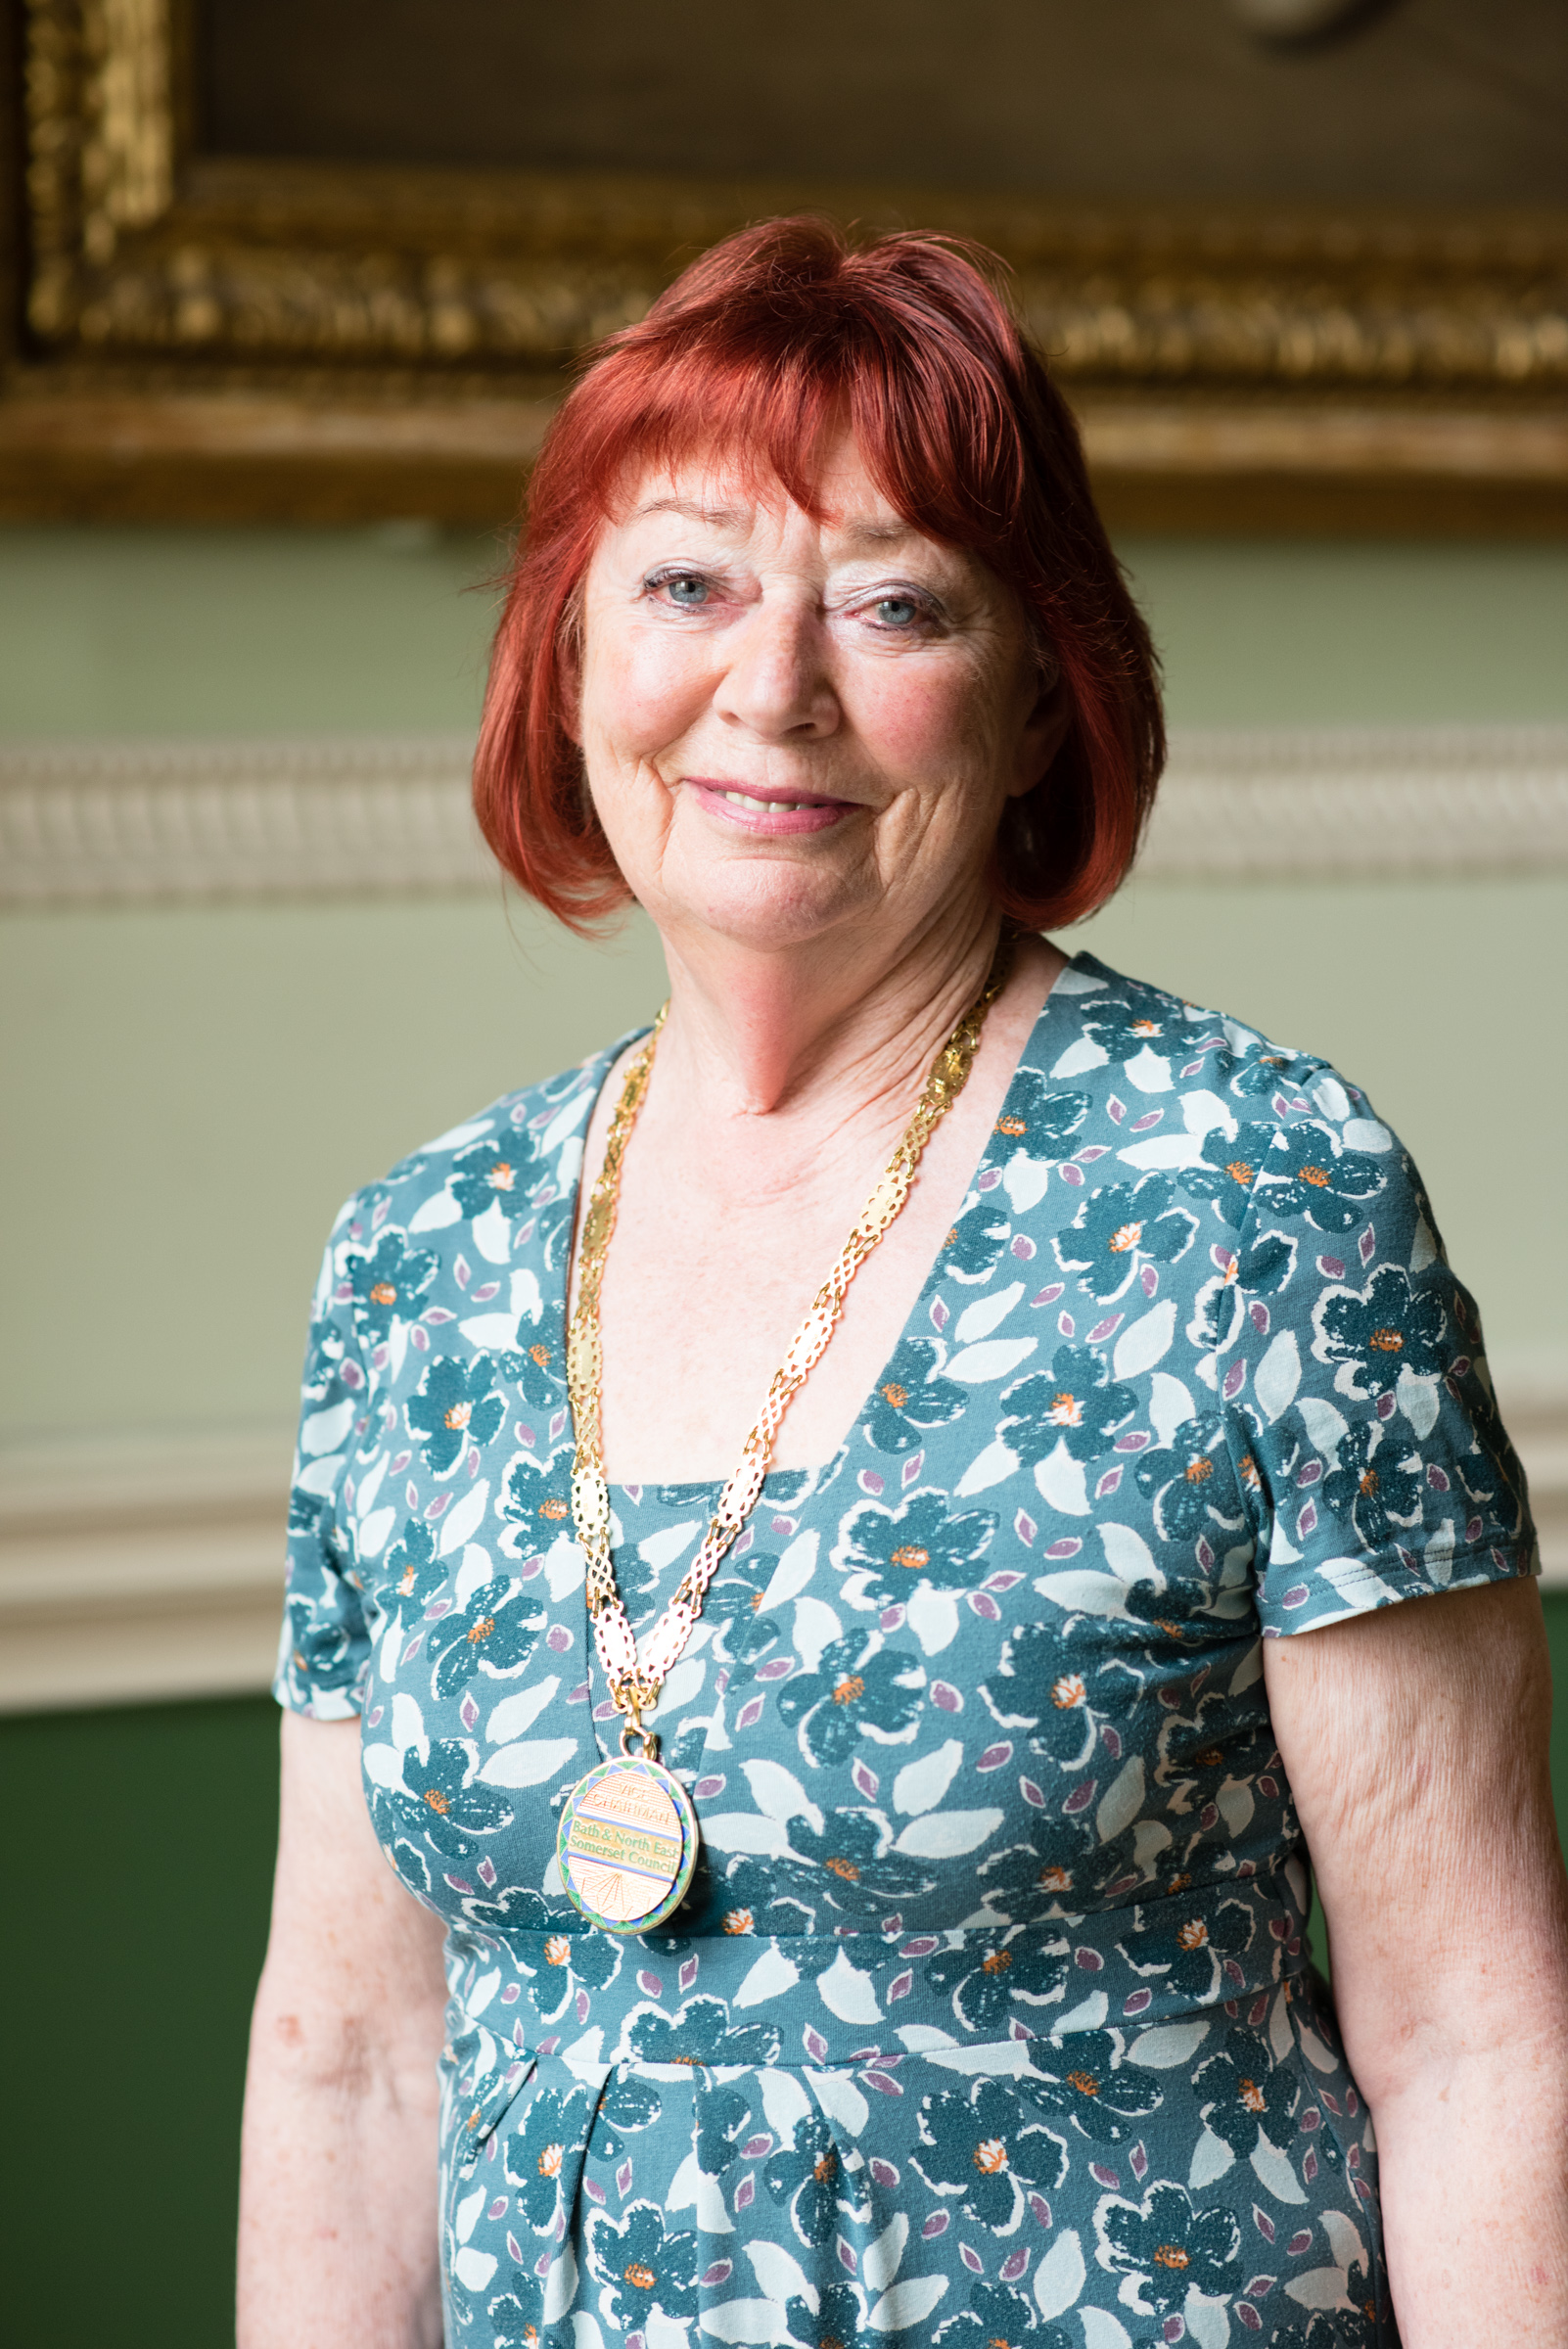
(1473, 2161)
(338, 2236)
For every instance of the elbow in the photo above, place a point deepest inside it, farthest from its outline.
(338, 2056)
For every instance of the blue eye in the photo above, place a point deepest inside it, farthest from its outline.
(897, 611)
(686, 589)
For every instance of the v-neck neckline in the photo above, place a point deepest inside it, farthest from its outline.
(822, 1474)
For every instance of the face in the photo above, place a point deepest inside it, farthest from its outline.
(794, 728)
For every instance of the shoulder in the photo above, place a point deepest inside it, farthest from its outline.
(503, 1180)
(1212, 1144)
(1159, 1067)
(508, 1153)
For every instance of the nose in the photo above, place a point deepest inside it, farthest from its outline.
(776, 684)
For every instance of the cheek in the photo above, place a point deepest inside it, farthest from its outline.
(640, 695)
(933, 725)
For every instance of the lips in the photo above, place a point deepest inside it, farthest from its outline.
(764, 810)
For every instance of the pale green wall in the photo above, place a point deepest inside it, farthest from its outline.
(188, 1092)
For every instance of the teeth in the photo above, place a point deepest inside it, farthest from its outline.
(741, 799)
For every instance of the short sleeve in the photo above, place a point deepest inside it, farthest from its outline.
(1363, 1419)
(324, 1653)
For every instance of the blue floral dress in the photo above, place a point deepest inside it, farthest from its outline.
(989, 2019)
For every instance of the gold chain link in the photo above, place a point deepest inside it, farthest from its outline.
(634, 1681)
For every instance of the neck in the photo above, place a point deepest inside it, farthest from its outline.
(755, 1033)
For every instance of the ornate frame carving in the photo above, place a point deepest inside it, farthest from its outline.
(212, 337)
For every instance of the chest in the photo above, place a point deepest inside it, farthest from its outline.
(718, 1251)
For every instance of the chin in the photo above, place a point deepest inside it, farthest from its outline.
(772, 907)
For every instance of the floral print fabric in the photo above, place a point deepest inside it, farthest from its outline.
(989, 2019)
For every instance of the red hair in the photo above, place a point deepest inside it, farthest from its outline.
(760, 352)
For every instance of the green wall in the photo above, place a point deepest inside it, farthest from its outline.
(188, 1092)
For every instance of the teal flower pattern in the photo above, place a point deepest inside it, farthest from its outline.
(1312, 1174)
(913, 1398)
(1076, 1402)
(988, 2017)
(897, 1551)
(493, 1171)
(979, 2149)
(496, 1633)
(1371, 1484)
(454, 1409)
(640, 2265)
(388, 1286)
(1119, 1230)
(1387, 1331)
(858, 1686)
(1170, 2246)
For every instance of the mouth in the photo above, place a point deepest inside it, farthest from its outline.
(762, 810)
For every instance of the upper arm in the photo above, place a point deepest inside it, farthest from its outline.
(1414, 1738)
(353, 1969)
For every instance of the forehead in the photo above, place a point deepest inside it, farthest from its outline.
(719, 490)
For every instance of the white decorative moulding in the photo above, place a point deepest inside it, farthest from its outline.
(349, 815)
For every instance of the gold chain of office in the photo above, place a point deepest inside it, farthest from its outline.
(634, 1681)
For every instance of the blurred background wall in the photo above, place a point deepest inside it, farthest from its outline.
(193, 1077)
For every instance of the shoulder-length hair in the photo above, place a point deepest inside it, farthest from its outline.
(756, 355)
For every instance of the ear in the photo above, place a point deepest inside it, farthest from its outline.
(1043, 734)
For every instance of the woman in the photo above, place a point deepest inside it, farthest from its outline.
(874, 1900)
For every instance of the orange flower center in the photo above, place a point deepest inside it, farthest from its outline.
(1012, 1126)
(539, 1355)
(550, 2161)
(553, 1508)
(912, 1558)
(738, 1920)
(848, 1688)
(1239, 1172)
(408, 1582)
(1199, 1471)
(1388, 1340)
(997, 1963)
(557, 1949)
(1192, 1936)
(1055, 1880)
(1068, 1691)
(990, 2156)
(1370, 1482)
(1084, 2082)
(845, 1868)
(1066, 1410)
(1125, 1236)
(1170, 2255)
(1252, 2096)
(459, 1415)
(383, 1293)
(823, 2170)
(643, 2279)
(895, 1394)
(436, 1801)
(1318, 1177)
(482, 1630)
(1146, 1028)
(499, 1176)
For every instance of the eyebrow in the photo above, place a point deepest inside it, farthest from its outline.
(732, 518)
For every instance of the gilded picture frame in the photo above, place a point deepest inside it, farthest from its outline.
(204, 338)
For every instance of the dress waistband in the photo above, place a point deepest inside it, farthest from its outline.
(593, 1999)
